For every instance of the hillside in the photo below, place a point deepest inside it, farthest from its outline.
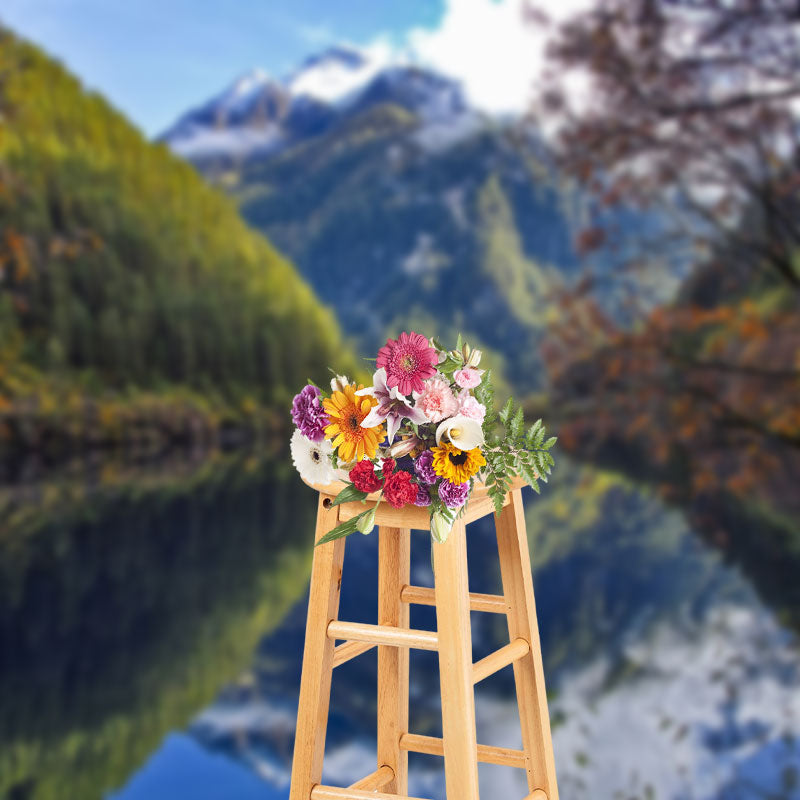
(130, 291)
(397, 201)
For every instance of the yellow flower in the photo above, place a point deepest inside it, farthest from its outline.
(457, 466)
(346, 412)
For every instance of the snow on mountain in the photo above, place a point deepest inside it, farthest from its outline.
(333, 75)
(243, 119)
(261, 114)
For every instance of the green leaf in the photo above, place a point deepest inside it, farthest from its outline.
(517, 424)
(459, 342)
(507, 409)
(344, 529)
(348, 495)
(550, 442)
(449, 366)
(532, 431)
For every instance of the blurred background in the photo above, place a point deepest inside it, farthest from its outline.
(203, 204)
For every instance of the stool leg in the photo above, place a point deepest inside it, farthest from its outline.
(315, 682)
(515, 567)
(394, 563)
(455, 665)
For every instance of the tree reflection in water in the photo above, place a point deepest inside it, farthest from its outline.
(139, 603)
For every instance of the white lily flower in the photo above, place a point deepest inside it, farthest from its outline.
(392, 407)
(463, 432)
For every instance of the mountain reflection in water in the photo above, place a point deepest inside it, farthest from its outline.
(151, 630)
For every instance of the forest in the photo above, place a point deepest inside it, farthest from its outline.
(135, 305)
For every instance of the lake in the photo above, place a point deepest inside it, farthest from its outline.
(152, 619)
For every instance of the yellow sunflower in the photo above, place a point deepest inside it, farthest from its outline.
(457, 466)
(346, 412)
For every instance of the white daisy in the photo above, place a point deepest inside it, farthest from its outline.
(312, 459)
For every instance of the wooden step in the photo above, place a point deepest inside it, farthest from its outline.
(434, 746)
(383, 634)
(375, 780)
(422, 596)
(538, 794)
(320, 792)
(494, 662)
(344, 652)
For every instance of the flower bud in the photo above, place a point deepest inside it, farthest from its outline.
(404, 447)
(440, 528)
(474, 358)
(338, 383)
(366, 522)
(456, 355)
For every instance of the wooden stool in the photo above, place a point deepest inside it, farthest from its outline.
(452, 640)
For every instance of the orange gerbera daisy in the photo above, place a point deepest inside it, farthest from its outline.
(346, 412)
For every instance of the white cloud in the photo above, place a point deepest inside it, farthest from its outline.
(491, 46)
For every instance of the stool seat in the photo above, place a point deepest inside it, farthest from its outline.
(414, 517)
(452, 641)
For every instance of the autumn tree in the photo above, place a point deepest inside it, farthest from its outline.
(691, 106)
(688, 109)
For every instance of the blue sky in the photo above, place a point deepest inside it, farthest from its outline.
(155, 58)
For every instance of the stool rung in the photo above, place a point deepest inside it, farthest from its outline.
(383, 634)
(344, 652)
(422, 596)
(538, 794)
(434, 746)
(375, 780)
(320, 792)
(512, 652)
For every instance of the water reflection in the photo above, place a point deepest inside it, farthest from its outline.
(126, 603)
(151, 635)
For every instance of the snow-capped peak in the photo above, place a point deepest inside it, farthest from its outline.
(243, 89)
(259, 114)
(333, 74)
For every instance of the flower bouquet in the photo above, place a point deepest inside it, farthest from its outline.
(422, 434)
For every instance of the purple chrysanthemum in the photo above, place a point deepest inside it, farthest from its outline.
(423, 496)
(453, 495)
(423, 466)
(308, 413)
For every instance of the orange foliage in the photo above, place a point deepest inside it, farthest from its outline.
(716, 391)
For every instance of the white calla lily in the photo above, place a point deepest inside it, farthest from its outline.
(463, 432)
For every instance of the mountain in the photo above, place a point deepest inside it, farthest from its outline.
(400, 203)
(122, 271)
(258, 114)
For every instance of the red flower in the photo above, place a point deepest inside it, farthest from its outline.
(388, 466)
(399, 491)
(364, 478)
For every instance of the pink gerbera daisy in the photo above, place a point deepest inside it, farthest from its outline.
(408, 361)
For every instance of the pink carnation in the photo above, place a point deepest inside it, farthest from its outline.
(468, 377)
(468, 406)
(437, 400)
(408, 361)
